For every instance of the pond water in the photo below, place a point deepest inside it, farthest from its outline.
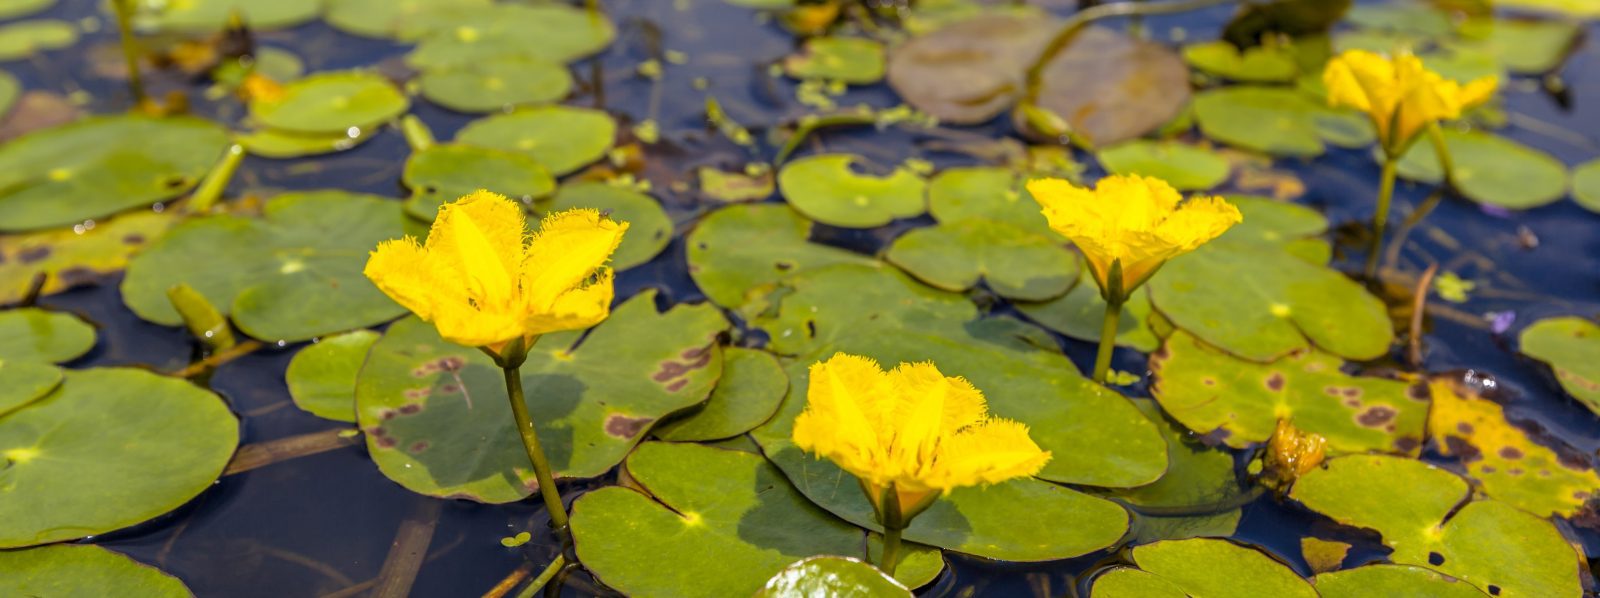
(324, 524)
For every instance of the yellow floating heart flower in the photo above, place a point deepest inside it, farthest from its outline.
(1400, 94)
(909, 435)
(483, 281)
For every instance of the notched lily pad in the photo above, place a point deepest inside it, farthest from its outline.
(447, 171)
(1491, 169)
(751, 386)
(322, 377)
(36, 335)
(747, 247)
(1206, 567)
(496, 84)
(649, 228)
(827, 189)
(330, 102)
(1186, 167)
(854, 60)
(436, 416)
(1240, 402)
(1015, 263)
(1111, 88)
(293, 275)
(1571, 345)
(562, 138)
(64, 570)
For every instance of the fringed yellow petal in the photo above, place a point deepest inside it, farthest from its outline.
(989, 453)
(840, 422)
(1399, 94)
(399, 268)
(576, 309)
(464, 324)
(569, 247)
(480, 236)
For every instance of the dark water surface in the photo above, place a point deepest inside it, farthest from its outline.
(317, 525)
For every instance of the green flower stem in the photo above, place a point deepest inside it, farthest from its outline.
(1108, 338)
(1381, 218)
(216, 181)
(541, 466)
(893, 524)
(1446, 163)
(130, 51)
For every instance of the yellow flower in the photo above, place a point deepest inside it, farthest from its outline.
(483, 282)
(1400, 94)
(1137, 222)
(911, 427)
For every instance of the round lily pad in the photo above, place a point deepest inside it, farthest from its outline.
(322, 377)
(837, 301)
(447, 171)
(1080, 314)
(745, 247)
(1110, 87)
(1490, 169)
(495, 84)
(100, 453)
(68, 258)
(1240, 402)
(1185, 167)
(10, 91)
(1197, 475)
(33, 334)
(749, 391)
(23, 382)
(1524, 46)
(293, 275)
(24, 39)
(1016, 263)
(1418, 510)
(562, 138)
(831, 576)
(382, 18)
(64, 570)
(99, 166)
(11, 9)
(1210, 567)
(1586, 185)
(1259, 64)
(275, 143)
(553, 32)
(437, 420)
(331, 102)
(1392, 580)
(972, 70)
(827, 189)
(212, 15)
(1278, 121)
(1571, 345)
(854, 60)
(726, 519)
(649, 228)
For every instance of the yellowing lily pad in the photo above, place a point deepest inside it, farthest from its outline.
(562, 138)
(726, 519)
(1423, 513)
(99, 166)
(827, 189)
(330, 102)
(447, 171)
(68, 258)
(293, 275)
(1392, 580)
(1016, 263)
(27, 38)
(751, 386)
(1259, 64)
(854, 60)
(743, 248)
(1571, 346)
(322, 377)
(436, 416)
(461, 37)
(11, 9)
(64, 570)
(1491, 169)
(1240, 402)
(382, 18)
(1208, 567)
(1186, 167)
(100, 453)
(213, 15)
(972, 70)
(649, 228)
(495, 84)
(1110, 87)
(831, 576)
(1586, 185)
(33, 334)
(1582, 9)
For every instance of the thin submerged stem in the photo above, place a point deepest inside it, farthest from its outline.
(1108, 339)
(1381, 218)
(893, 524)
(541, 466)
(130, 50)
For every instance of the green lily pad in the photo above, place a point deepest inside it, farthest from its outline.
(562, 138)
(1278, 121)
(971, 70)
(10, 91)
(727, 520)
(68, 258)
(1418, 509)
(649, 228)
(447, 171)
(1110, 87)
(24, 39)
(275, 143)
(322, 377)
(1571, 345)
(1186, 167)
(494, 84)
(436, 415)
(854, 60)
(1392, 580)
(1413, 18)
(382, 18)
(810, 310)
(1212, 567)
(33, 334)
(735, 186)
(1080, 314)
(985, 192)
(66, 570)
(1524, 46)
(331, 102)
(751, 386)
(553, 32)
(1490, 169)
(23, 382)
(1582, 9)
(293, 275)
(100, 453)
(1259, 64)
(831, 576)
(1016, 263)
(1586, 185)
(827, 189)
(1197, 476)
(213, 15)
(1240, 402)
(746, 247)
(99, 166)
(1130, 582)
(11, 9)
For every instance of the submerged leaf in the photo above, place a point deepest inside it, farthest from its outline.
(970, 71)
(1111, 88)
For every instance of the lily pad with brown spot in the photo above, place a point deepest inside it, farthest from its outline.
(751, 386)
(68, 259)
(970, 71)
(436, 416)
(1240, 402)
(1111, 88)
(1571, 345)
(746, 249)
(1510, 464)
